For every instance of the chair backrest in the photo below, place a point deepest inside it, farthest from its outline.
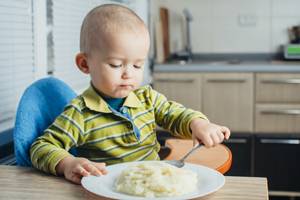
(40, 104)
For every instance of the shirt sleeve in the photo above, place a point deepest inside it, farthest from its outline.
(173, 116)
(50, 148)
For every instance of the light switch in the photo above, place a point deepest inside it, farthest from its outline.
(247, 20)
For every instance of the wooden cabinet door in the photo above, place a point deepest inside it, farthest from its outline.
(277, 118)
(228, 100)
(278, 88)
(184, 88)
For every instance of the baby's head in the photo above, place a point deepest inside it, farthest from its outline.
(114, 44)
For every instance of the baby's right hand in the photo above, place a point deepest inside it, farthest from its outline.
(74, 168)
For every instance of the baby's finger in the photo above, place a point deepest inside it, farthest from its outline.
(92, 169)
(75, 178)
(220, 135)
(215, 138)
(207, 141)
(101, 167)
(195, 140)
(81, 171)
(226, 132)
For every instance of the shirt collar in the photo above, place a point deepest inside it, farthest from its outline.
(95, 102)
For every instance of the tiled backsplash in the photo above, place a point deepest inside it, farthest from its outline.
(231, 26)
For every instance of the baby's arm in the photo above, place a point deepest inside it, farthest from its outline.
(173, 116)
(209, 134)
(184, 122)
(74, 168)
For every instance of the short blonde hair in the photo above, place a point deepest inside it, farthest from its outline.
(107, 18)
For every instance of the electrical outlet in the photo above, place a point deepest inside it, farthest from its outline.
(247, 20)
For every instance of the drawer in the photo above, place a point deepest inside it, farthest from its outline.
(277, 118)
(277, 88)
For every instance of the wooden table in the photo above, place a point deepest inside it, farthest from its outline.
(28, 183)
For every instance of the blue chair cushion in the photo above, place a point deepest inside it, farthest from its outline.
(40, 104)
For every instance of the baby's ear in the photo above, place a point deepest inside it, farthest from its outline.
(81, 62)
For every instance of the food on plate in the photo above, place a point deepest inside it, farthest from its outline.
(156, 179)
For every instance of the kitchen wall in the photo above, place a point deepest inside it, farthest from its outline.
(231, 26)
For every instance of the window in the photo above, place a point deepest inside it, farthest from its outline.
(16, 56)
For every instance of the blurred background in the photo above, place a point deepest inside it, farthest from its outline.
(237, 61)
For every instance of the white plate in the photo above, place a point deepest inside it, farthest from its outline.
(209, 181)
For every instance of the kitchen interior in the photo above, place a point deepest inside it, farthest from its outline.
(237, 61)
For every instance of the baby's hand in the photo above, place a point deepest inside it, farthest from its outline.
(74, 168)
(208, 133)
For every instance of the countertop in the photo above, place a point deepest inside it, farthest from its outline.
(227, 66)
(28, 183)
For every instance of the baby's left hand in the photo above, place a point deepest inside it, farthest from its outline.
(208, 133)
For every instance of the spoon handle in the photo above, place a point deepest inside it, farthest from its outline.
(191, 151)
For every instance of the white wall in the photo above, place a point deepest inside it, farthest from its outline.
(231, 26)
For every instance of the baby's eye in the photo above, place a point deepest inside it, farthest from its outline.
(115, 66)
(137, 66)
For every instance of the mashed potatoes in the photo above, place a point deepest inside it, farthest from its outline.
(156, 179)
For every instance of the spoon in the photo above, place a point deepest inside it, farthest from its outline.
(180, 163)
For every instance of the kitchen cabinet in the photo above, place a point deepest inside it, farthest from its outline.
(277, 103)
(277, 158)
(277, 118)
(277, 88)
(225, 98)
(185, 88)
(240, 146)
(263, 112)
(228, 100)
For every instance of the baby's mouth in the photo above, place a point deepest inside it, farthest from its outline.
(126, 86)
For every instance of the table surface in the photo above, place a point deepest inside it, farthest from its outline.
(28, 183)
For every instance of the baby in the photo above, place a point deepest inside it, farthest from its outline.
(114, 120)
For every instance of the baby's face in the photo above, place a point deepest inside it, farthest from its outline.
(117, 67)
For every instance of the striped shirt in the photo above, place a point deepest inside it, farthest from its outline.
(102, 135)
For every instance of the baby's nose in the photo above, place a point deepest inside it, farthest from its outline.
(127, 71)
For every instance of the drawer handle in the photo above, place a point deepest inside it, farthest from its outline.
(282, 81)
(169, 80)
(226, 80)
(236, 140)
(280, 141)
(281, 112)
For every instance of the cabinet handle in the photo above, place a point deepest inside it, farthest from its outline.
(282, 81)
(236, 140)
(280, 141)
(169, 80)
(226, 80)
(281, 112)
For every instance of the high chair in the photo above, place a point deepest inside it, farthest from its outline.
(218, 157)
(40, 104)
